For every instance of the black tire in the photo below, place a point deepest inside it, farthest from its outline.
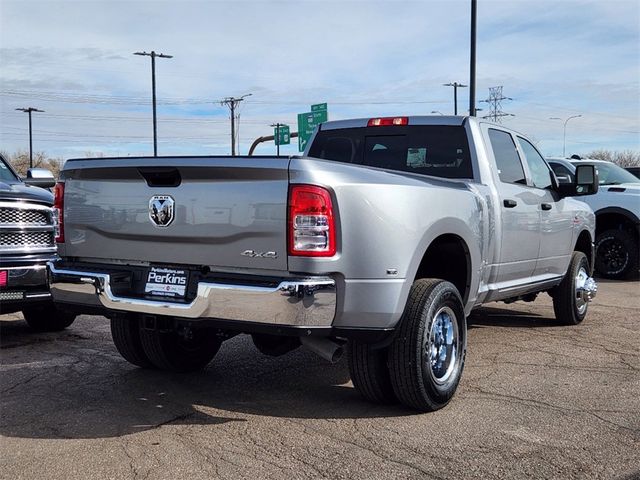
(47, 318)
(170, 350)
(566, 304)
(370, 372)
(125, 332)
(432, 305)
(617, 254)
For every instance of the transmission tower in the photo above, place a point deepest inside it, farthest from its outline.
(495, 104)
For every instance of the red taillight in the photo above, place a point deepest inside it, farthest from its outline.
(388, 121)
(312, 230)
(58, 211)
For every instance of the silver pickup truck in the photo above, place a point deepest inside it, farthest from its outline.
(382, 237)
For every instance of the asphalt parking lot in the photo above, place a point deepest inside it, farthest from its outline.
(537, 400)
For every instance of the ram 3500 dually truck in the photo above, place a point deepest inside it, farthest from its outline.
(383, 236)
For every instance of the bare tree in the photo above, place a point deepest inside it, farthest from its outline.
(625, 158)
(20, 162)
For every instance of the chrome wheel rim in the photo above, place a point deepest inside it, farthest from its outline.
(442, 346)
(580, 281)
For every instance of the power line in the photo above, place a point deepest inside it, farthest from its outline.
(65, 97)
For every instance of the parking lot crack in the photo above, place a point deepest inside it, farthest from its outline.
(567, 410)
(377, 454)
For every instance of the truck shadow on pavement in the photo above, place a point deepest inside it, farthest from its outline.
(74, 385)
(502, 317)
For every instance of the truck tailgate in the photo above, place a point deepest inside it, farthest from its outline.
(222, 207)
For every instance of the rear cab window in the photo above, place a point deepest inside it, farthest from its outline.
(510, 168)
(436, 150)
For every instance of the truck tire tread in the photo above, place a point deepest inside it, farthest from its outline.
(564, 305)
(630, 244)
(405, 351)
(125, 333)
(167, 351)
(370, 372)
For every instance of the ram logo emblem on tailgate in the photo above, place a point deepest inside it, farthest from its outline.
(161, 211)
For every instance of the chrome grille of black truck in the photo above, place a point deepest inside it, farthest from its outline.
(26, 228)
(23, 216)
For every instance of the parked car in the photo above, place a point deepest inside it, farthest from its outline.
(617, 209)
(27, 243)
(634, 170)
(384, 236)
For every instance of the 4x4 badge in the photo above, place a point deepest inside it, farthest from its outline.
(161, 210)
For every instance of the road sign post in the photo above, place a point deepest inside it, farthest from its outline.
(307, 122)
(281, 136)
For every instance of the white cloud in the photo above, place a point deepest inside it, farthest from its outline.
(74, 60)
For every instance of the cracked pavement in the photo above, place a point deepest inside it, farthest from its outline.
(536, 400)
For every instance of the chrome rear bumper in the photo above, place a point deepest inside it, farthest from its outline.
(294, 302)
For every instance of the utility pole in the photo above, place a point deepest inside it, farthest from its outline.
(153, 56)
(564, 135)
(455, 86)
(29, 110)
(472, 60)
(232, 103)
(277, 127)
(495, 104)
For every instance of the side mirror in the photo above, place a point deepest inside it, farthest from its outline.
(563, 179)
(40, 177)
(586, 182)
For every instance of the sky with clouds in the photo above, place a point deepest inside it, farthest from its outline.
(74, 60)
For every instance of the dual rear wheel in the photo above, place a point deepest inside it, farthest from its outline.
(179, 350)
(422, 366)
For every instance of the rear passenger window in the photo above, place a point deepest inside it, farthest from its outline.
(507, 159)
(437, 150)
(561, 170)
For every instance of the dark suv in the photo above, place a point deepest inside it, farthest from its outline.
(27, 243)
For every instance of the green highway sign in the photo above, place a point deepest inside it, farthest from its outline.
(307, 122)
(319, 107)
(282, 135)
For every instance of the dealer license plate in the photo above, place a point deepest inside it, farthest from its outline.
(166, 282)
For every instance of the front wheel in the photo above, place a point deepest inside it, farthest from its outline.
(617, 254)
(426, 356)
(571, 298)
(47, 318)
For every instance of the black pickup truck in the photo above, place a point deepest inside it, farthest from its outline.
(27, 243)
